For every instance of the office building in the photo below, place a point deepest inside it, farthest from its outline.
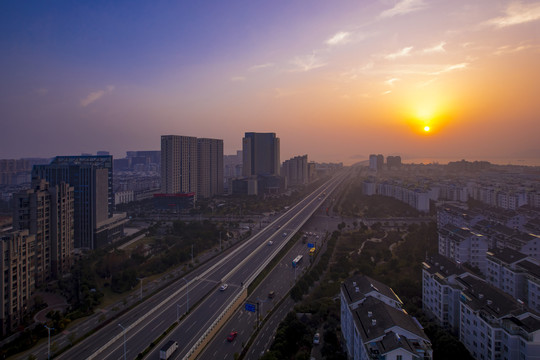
(92, 180)
(17, 280)
(47, 213)
(179, 163)
(210, 167)
(261, 154)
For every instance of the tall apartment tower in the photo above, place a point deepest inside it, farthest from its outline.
(92, 180)
(47, 213)
(261, 154)
(210, 167)
(295, 170)
(178, 164)
(17, 280)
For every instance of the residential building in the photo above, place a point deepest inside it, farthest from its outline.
(295, 170)
(92, 180)
(17, 280)
(461, 245)
(210, 167)
(178, 164)
(374, 326)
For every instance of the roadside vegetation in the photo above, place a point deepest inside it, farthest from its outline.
(392, 256)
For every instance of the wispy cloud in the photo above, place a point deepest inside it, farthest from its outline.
(341, 37)
(401, 53)
(449, 68)
(307, 62)
(517, 13)
(261, 66)
(391, 81)
(403, 7)
(435, 49)
(507, 49)
(96, 95)
(41, 91)
(238, 78)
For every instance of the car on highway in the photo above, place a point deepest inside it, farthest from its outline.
(284, 234)
(271, 294)
(223, 287)
(270, 243)
(232, 336)
(316, 339)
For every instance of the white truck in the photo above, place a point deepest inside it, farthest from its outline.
(168, 349)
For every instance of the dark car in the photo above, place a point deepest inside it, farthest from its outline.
(271, 294)
(232, 336)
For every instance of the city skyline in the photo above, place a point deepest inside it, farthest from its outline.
(337, 81)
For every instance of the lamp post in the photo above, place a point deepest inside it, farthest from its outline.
(124, 329)
(140, 279)
(177, 312)
(187, 295)
(220, 241)
(49, 342)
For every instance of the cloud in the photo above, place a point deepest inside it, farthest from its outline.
(401, 53)
(238, 78)
(96, 95)
(391, 81)
(403, 7)
(517, 13)
(449, 68)
(261, 66)
(341, 37)
(307, 62)
(507, 49)
(42, 91)
(435, 49)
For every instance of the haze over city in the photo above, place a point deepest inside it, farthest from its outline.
(337, 80)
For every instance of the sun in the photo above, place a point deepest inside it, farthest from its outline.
(426, 128)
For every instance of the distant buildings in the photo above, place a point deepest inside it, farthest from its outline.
(191, 167)
(178, 164)
(295, 170)
(374, 325)
(261, 154)
(92, 180)
(260, 165)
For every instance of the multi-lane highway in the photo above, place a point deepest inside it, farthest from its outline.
(133, 332)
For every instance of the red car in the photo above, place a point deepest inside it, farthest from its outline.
(232, 336)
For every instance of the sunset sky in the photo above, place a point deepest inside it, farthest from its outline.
(336, 80)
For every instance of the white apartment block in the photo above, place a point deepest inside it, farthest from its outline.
(416, 197)
(440, 290)
(516, 274)
(494, 326)
(463, 246)
(374, 326)
(123, 197)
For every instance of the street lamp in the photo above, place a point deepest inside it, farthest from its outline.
(140, 279)
(220, 241)
(187, 295)
(124, 329)
(49, 343)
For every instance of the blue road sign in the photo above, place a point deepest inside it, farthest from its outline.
(310, 245)
(250, 307)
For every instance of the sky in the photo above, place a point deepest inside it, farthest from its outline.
(336, 80)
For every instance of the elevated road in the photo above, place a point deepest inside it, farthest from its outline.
(237, 268)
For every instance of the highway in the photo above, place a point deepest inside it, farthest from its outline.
(146, 322)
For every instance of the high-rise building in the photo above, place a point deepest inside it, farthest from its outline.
(92, 180)
(47, 213)
(178, 164)
(17, 280)
(261, 154)
(295, 170)
(210, 167)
